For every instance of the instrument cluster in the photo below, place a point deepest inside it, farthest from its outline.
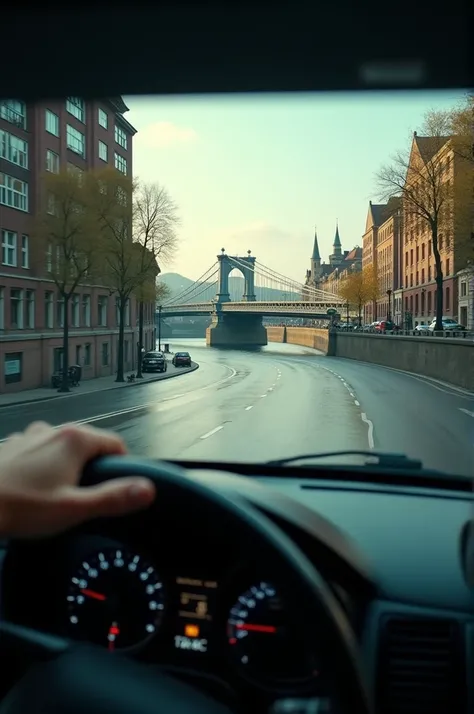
(229, 623)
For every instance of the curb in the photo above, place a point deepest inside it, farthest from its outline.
(188, 370)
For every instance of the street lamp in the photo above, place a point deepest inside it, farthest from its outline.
(389, 311)
(347, 313)
(159, 328)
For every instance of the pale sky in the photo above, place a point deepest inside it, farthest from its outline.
(260, 172)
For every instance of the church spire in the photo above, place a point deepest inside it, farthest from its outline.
(337, 240)
(316, 255)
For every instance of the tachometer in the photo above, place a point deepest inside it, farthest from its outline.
(115, 599)
(264, 640)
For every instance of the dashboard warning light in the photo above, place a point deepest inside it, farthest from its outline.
(191, 630)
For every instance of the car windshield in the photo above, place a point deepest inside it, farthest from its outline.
(300, 268)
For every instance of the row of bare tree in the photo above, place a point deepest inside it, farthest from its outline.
(434, 177)
(102, 228)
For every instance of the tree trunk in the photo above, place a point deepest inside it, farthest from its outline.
(439, 282)
(140, 339)
(65, 376)
(122, 304)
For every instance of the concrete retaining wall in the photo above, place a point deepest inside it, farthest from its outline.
(306, 336)
(450, 360)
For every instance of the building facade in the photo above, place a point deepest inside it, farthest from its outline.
(419, 271)
(381, 246)
(52, 136)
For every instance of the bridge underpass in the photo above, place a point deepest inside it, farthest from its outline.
(239, 323)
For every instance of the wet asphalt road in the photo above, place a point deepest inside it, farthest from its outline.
(280, 402)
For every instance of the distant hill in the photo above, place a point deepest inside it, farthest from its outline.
(203, 292)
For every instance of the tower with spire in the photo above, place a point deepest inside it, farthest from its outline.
(336, 256)
(315, 259)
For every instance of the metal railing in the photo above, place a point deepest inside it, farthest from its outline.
(304, 308)
(448, 334)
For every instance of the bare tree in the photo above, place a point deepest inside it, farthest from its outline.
(155, 220)
(422, 177)
(64, 233)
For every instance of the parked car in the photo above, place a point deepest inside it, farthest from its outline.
(154, 362)
(386, 326)
(449, 325)
(182, 359)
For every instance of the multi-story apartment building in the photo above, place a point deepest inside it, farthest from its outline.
(381, 245)
(50, 136)
(419, 271)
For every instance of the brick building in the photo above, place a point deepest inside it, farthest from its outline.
(49, 136)
(381, 247)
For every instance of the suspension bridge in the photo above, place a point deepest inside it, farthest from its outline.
(266, 293)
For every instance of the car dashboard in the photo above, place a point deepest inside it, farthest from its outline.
(192, 598)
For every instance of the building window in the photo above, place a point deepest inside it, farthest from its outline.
(60, 311)
(75, 311)
(13, 149)
(30, 309)
(87, 355)
(120, 137)
(52, 122)
(75, 106)
(75, 141)
(120, 163)
(13, 192)
(463, 288)
(16, 313)
(447, 299)
(51, 207)
(48, 309)
(52, 161)
(13, 111)
(86, 310)
(103, 151)
(76, 171)
(9, 246)
(105, 354)
(103, 118)
(13, 367)
(447, 266)
(25, 255)
(102, 311)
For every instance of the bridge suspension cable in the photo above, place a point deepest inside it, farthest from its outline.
(177, 299)
(205, 288)
(288, 284)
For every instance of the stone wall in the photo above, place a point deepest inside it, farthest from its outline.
(450, 360)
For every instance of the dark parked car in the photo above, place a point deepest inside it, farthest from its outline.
(154, 362)
(182, 359)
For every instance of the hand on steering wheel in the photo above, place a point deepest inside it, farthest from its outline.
(40, 470)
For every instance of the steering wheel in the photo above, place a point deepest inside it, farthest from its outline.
(71, 678)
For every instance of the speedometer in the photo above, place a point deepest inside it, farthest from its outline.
(115, 599)
(264, 640)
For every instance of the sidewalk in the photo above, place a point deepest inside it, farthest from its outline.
(100, 384)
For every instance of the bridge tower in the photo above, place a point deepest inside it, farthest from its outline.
(230, 329)
(227, 263)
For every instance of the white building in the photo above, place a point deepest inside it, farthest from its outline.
(466, 297)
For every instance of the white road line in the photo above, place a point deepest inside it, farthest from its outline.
(247, 408)
(263, 395)
(351, 394)
(466, 411)
(356, 403)
(213, 431)
(370, 430)
(169, 399)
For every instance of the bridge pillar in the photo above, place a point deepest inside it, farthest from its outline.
(227, 263)
(236, 331)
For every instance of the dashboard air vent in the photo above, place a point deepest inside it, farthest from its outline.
(421, 666)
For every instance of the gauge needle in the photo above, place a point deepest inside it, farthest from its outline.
(114, 632)
(93, 594)
(256, 628)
